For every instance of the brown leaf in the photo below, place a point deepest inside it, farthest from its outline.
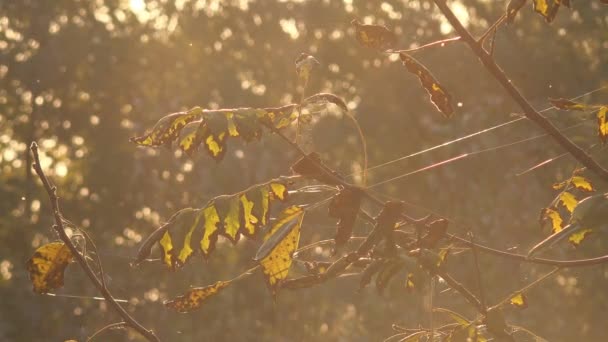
(345, 207)
(374, 36)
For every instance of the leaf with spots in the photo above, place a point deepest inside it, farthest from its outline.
(190, 230)
(519, 300)
(47, 266)
(439, 95)
(276, 254)
(168, 128)
(374, 36)
(602, 124)
(195, 297)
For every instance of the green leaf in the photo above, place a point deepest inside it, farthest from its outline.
(439, 95)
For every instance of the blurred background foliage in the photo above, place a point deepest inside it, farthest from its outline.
(81, 77)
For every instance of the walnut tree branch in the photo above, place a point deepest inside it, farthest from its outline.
(59, 229)
(531, 113)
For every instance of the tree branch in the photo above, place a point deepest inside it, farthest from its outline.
(487, 60)
(59, 228)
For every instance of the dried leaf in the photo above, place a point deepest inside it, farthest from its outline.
(437, 231)
(374, 36)
(519, 300)
(315, 169)
(195, 297)
(281, 241)
(324, 99)
(47, 266)
(439, 95)
(345, 207)
(566, 104)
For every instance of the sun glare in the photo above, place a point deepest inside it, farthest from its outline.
(137, 6)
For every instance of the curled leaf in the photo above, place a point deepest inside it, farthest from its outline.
(47, 266)
(195, 297)
(324, 99)
(439, 95)
(374, 36)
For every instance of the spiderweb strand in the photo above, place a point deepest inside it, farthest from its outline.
(483, 131)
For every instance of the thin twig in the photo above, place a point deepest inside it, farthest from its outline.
(59, 229)
(527, 287)
(107, 327)
(482, 296)
(531, 113)
(439, 42)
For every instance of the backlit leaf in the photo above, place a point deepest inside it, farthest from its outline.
(519, 300)
(568, 200)
(439, 95)
(566, 104)
(579, 236)
(548, 214)
(602, 124)
(195, 297)
(305, 63)
(275, 255)
(374, 36)
(168, 128)
(443, 257)
(190, 230)
(47, 266)
(324, 99)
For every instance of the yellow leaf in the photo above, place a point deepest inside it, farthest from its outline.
(168, 128)
(166, 245)
(249, 219)
(409, 282)
(439, 96)
(602, 124)
(579, 236)
(275, 255)
(210, 234)
(187, 251)
(192, 136)
(279, 190)
(195, 297)
(47, 266)
(547, 8)
(581, 183)
(519, 300)
(568, 200)
(443, 256)
(232, 220)
(554, 217)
